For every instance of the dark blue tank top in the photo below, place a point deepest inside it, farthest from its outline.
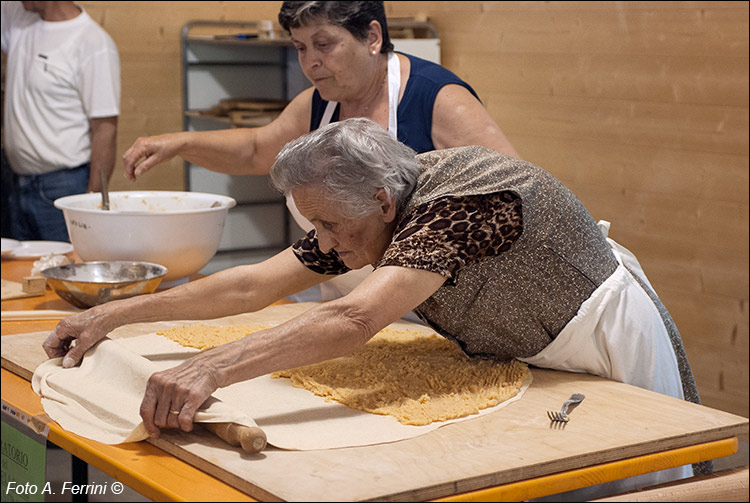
(415, 109)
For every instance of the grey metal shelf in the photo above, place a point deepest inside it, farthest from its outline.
(229, 67)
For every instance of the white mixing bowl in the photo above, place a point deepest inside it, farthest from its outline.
(179, 230)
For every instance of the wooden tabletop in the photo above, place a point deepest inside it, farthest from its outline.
(17, 270)
(158, 475)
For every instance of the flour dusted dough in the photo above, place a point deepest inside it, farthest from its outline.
(417, 378)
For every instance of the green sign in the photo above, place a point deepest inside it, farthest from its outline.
(23, 464)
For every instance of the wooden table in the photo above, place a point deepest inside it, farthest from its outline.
(151, 471)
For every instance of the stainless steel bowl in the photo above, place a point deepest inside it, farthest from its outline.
(92, 283)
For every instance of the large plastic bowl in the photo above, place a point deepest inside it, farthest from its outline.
(179, 230)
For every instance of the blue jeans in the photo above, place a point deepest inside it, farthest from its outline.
(6, 187)
(33, 213)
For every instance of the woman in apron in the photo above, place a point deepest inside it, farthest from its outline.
(345, 51)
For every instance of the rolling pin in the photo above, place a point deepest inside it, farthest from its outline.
(41, 314)
(251, 438)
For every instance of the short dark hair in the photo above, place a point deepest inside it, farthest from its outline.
(354, 16)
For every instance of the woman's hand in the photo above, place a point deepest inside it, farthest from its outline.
(149, 151)
(85, 329)
(173, 396)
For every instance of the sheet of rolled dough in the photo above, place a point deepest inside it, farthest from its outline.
(100, 399)
(292, 418)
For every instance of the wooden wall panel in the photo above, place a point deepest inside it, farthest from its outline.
(621, 77)
(641, 108)
(700, 128)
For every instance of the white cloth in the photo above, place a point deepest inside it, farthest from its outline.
(101, 398)
(59, 75)
(345, 283)
(618, 334)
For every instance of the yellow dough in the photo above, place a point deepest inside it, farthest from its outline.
(208, 336)
(417, 378)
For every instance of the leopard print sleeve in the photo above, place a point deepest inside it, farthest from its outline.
(444, 235)
(308, 252)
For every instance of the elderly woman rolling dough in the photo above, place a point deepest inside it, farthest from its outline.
(492, 252)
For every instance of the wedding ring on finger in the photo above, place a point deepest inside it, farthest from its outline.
(175, 412)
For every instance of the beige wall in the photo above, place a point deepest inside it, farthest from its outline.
(641, 108)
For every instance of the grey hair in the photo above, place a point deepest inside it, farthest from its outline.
(350, 161)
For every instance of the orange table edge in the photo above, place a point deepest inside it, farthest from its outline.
(597, 474)
(160, 476)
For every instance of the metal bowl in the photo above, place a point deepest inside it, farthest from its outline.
(92, 283)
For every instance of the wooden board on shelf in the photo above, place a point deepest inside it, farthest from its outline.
(250, 118)
(243, 112)
(255, 104)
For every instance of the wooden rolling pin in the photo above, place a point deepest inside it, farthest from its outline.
(39, 314)
(251, 438)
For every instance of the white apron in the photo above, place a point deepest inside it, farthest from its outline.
(345, 283)
(618, 334)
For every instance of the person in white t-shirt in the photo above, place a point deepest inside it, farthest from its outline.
(62, 101)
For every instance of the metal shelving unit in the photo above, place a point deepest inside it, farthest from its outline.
(238, 64)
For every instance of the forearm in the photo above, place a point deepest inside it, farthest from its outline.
(172, 396)
(324, 332)
(103, 151)
(241, 289)
(330, 330)
(327, 331)
(231, 152)
(238, 290)
(224, 293)
(240, 151)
